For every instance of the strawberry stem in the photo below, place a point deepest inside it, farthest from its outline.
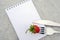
(26, 31)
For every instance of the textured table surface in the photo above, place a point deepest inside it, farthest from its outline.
(47, 9)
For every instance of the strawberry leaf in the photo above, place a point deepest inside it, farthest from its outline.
(31, 28)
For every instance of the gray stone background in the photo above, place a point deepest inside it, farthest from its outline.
(47, 9)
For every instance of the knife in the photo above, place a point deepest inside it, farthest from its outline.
(47, 23)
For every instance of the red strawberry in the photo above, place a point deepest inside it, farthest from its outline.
(34, 29)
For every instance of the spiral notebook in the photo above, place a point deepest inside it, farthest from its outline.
(21, 16)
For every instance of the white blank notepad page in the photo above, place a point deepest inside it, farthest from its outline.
(21, 16)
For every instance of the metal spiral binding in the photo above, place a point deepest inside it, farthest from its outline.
(17, 4)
